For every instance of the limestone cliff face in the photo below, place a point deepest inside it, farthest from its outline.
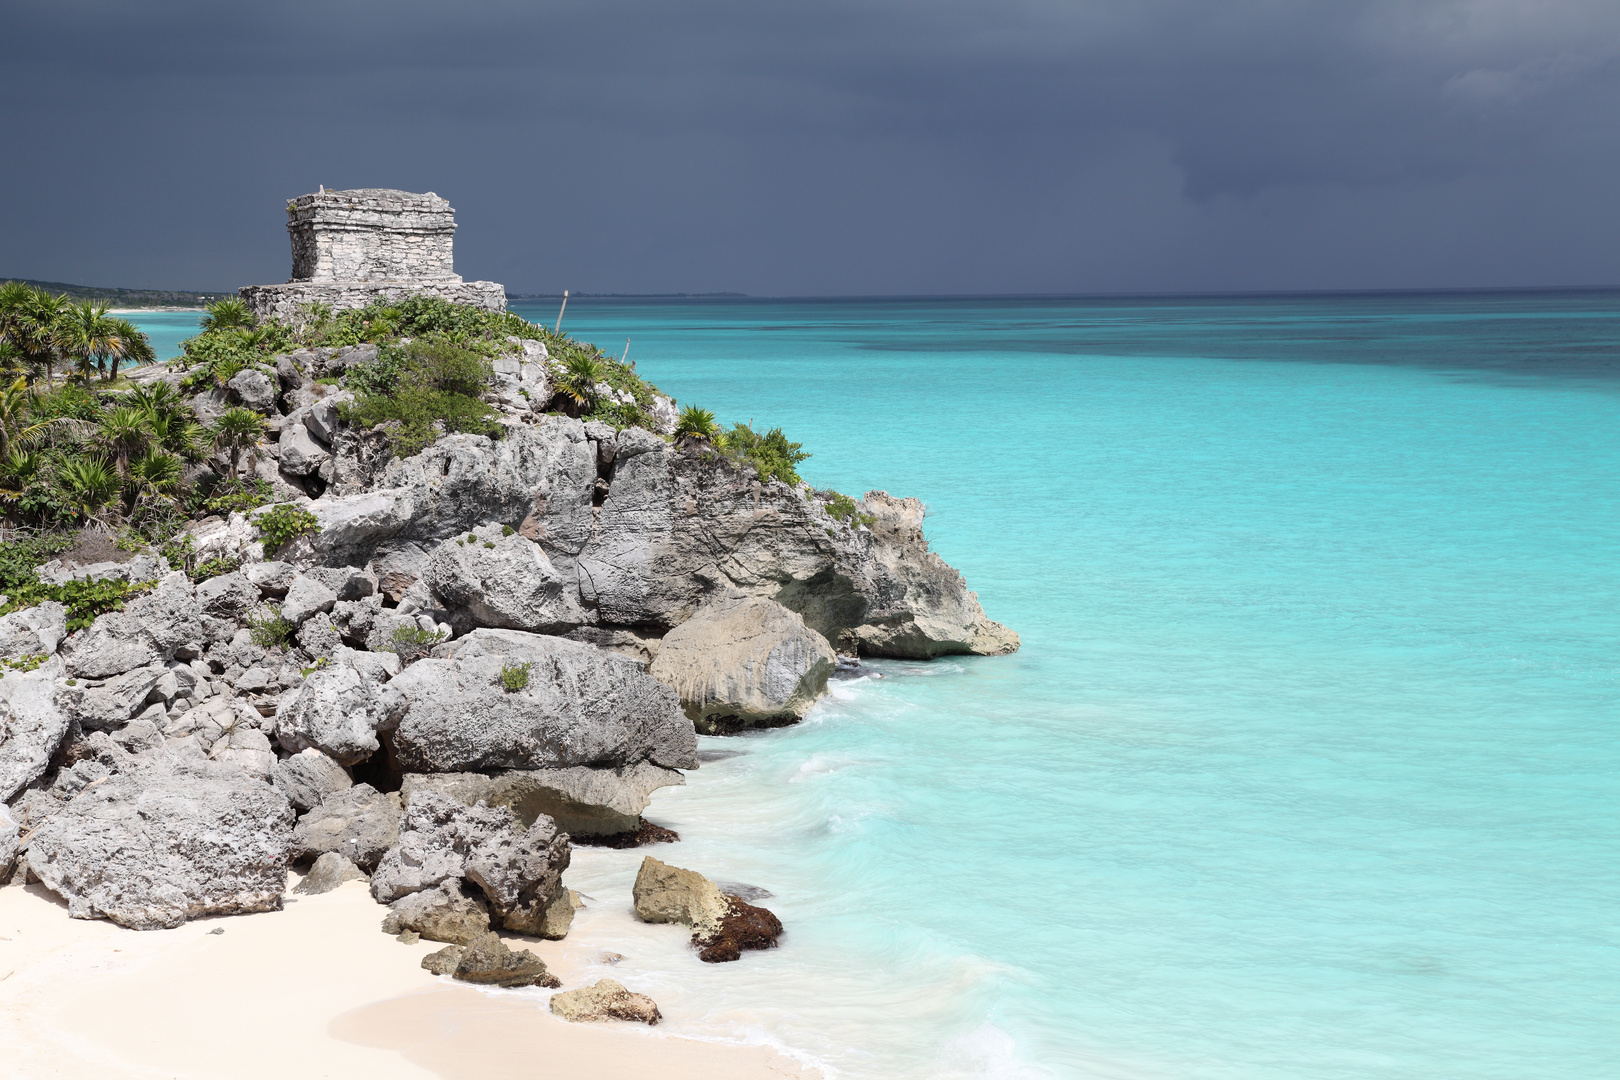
(644, 534)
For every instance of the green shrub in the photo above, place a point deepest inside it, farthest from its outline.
(271, 631)
(773, 457)
(225, 564)
(84, 600)
(515, 677)
(845, 509)
(507, 530)
(426, 388)
(19, 558)
(281, 525)
(408, 634)
(229, 496)
(24, 663)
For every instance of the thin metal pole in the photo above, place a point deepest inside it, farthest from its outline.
(560, 310)
(626, 352)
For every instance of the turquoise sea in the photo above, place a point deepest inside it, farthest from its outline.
(1308, 767)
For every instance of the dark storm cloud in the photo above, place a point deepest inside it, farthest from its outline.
(831, 147)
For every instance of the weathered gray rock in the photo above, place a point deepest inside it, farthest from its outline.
(676, 529)
(359, 822)
(582, 706)
(301, 455)
(487, 961)
(606, 1000)
(445, 961)
(228, 596)
(664, 893)
(143, 566)
(248, 749)
(441, 841)
(442, 913)
(336, 711)
(583, 801)
(271, 578)
(108, 704)
(148, 631)
(744, 663)
(10, 837)
(348, 582)
(167, 839)
(318, 637)
(558, 916)
(520, 874)
(32, 725)
(436, 836)
(322, 420)
(309, 777)
(397, 567)
(305, 596)
(375, 667)
(254, 389)
(329, 871)
(33, 631)
(501, 581)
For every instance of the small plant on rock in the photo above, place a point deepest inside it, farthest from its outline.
(410, 642)
(515, 677)
(696, 423)
(281, 525)
(271, 631)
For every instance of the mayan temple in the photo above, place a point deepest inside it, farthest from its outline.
(352, 247)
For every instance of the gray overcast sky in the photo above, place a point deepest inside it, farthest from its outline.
(829, 147)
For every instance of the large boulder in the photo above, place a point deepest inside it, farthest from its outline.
(10, 839)
(359, 823)
(148, 631)
(103, 705)
(301, 455)
(583, 801)
(308, 777)
(228, 596)
(744, 663)
(32, 725)
(441, 841)
(487, 961)
(442, 913)
(33, 631)
(488, 579)
(581, 706)
(436, 834)
(606, 1000)
(306, 596)
(167, 839)
(520, 874)
(247, 748)
(330, 871)
(664, 893)
(336, 711)
(254, 389)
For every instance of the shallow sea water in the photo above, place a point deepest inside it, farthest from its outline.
(1308, 767)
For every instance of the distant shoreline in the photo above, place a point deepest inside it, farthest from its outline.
(139, 310)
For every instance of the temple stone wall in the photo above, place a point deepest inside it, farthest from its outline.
(371, 234)
(353, 247)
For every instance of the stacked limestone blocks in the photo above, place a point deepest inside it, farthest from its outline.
(353, 247)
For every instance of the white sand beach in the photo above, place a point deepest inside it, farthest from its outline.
(314, 990)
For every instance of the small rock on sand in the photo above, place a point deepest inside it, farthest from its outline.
(607, 1000)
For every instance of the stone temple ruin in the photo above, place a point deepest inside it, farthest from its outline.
(352, 247)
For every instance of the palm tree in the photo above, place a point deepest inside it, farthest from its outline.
(696, 423)
(129, 347)
(225, 314)
(237, 430)
(16, 433)
(89, 484)
(85, 333)
(153, 479)
(35, 327)
(125, 431)
(17, 470)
